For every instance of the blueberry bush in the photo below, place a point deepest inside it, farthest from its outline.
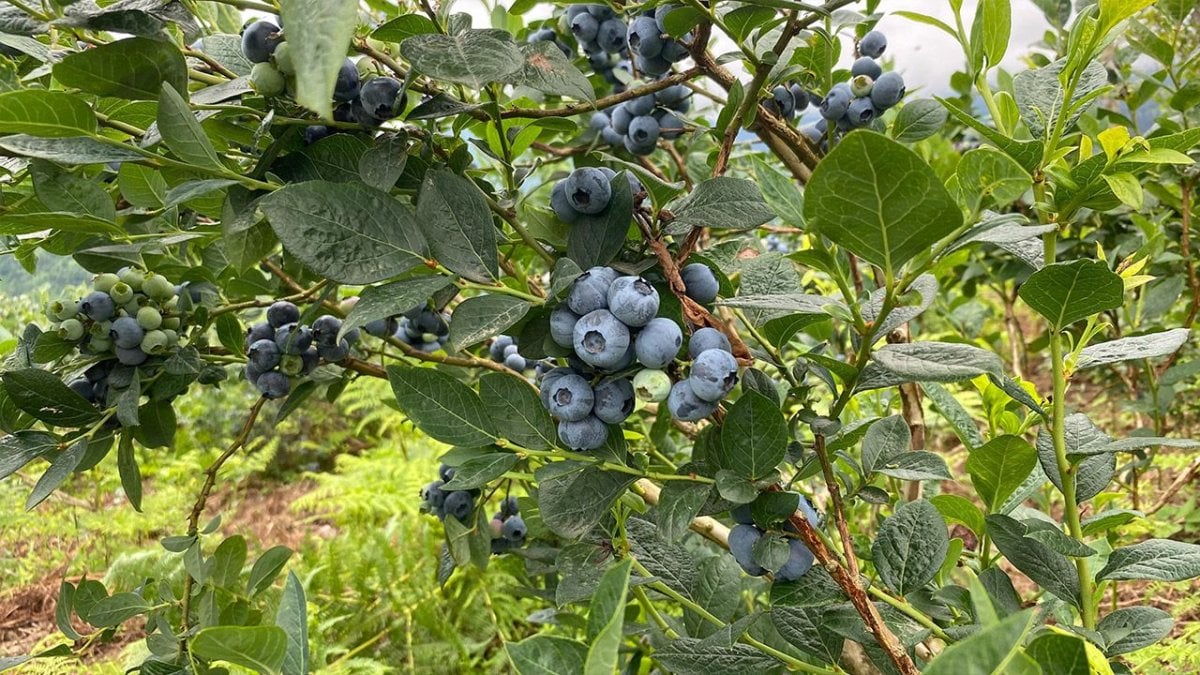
(747, 355)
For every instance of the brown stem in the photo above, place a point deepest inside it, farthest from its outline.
(1185, 248)
(604, 102)
(914, 414)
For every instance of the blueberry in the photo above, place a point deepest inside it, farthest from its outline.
(571, 398)
(611, 35)
(601, 12)
(121, 292)
(672, 95)
(742, 539)
(836, 102)
(516, 362)
(429, 321)
(741, 514)
(684, 405)
(585, 27)
(588, 190)
(654, 67)
(126, 333)
(620, 119)
(575, 10)
(611, 137)
(105, 282)
(783, 102)
(446, 473)
(860, 86)
(381, 328)
(259, 41)
(499, 344)
(348, 83)
(250, 373)
(98, 372)
(98, 306)
(132, 277)
(598, 122)
(635, 147)
(888, 90)
(509, 508)
(658, 343)
(293, 338)
(562, 326)
(800, 96)
(589, 291)
(259, 331)
(325, 330)
(872, 44)
(282, 313)
(588, 433)
(511, 350)
(812, 133)
(633, 300)
(155, 342)
(635, 185)
(546, 385)
(561, 206)
(800, 560)
(706, 339)
(714, 374)
(700, 283)
(645, 38)
(309, 358)
(643, 131)
(513, 529)
(861, 112)
(652, 385)
(642, 105)
(334, 353)
(614, 400)
(264, 355)
(382, 97)
(459, 504)
(866, 66)
(266, 80)
(149, 318)
(433, 494)
(133, 356)
(84, 388)
(601, 339)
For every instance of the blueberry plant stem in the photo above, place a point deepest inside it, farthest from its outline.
(911, 612)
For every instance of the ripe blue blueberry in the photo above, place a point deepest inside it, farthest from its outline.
(334, 353)
(98, 306)
(589, 292)
(433, 494)
(642, 105)
(633, 300)
(800, 96)
(866, 66)
(643, 131)
(585, 27)
(132, 356)
(653, 67)
(459, 504)
(516, 362)
(282, 313)
(620, 119)
(325, 329)
(742, 539)
(700, 283)
(861, 112)
(670, 126)
(600, 11)
(561, 205)
(611, 35)
(571, 398)
(499, 344)
(599, 122)
(309, 359)
(588, 433)
(672, 95)
(800, 560)
(614, 400)
(446, 473)
(382, 97)
(348, 83)
(601, 339)
(315, 132)
(645, 38)
(783, 101)
(741, 514)
(381, 328)
(674, 51)
(706, 339)
(509, 507)
(658, 342)
(84, 388)
(273, 384)
(513, 529)
(685, 406)
(714, 374)
(812, 133)
(836, 102)
(126, 333)
(888, 90)
(562, 326)
(546, 385)
(293, 338)
(264, 355)
(588, 190)
(872, 44)
(259, 41)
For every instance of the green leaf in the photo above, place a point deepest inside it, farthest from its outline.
(754, 436)
(24, 223)
(21, 448)
(117, 609)
(473, 57)
(574, 497)
(392, 299)
(597, 239)
(884, 439)
(45, 397)
(1039, 94)
(131, 475)
(1046, 567)
(1113, 12)
(383, 163)
(915, 465)
(1064, 293)
(879, 200)
(483, 316)
(1157, 559)
(1027, 153)
(63, 191)
(518, 414)
(1093, 473)
(910, 546)
(1064, 654)
(991, 30)
(227, 562)
(479, 471)
(1126, 187)
(182, 133)
(346, 232)
(60, 468)
(73, 150)
(156, 424)
(1150, 346)
(547, 655)
(804, 628)
(709, 588)
(134, 68)
(292, 617)
(1131, 628)
(63, 608)
(442, 407)
(458, 225)
(918, 119)
(266, 568)
(142, 185)
(927, 362)
(319, 34)
(987, 651)
(987, 174)
(679, 502)
(956, 509)
(404, 26)
(722, 203)
(262, 649)
(45, 113)
(780, 192)
(1107, 520)
(999, 467)
(689, 655)
(545, 69)
(606, 617)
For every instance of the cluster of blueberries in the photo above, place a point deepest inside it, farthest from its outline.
(610, 323)
(637, 124)
(421, 327)
(775, 244)
(586, 192)
(745, 534)
(369, 103)
(508, 528)
(504, 350)
(870, 92)
(126, 319)
(131, 315)
(281, 348)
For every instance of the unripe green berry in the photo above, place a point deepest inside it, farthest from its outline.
(105, 282)
(283, 59)
(149, 318)
(133, 277)
(100, 344)
(65, 309)
(291, 364)
(172, 337)
(154, 342)
(132, 308)
(121, 293)
(70, 329)
(266, 80)
(99, 329)
(652, 385)
(861, 85)
(171, 323)
(158, 288)
(170, 304)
